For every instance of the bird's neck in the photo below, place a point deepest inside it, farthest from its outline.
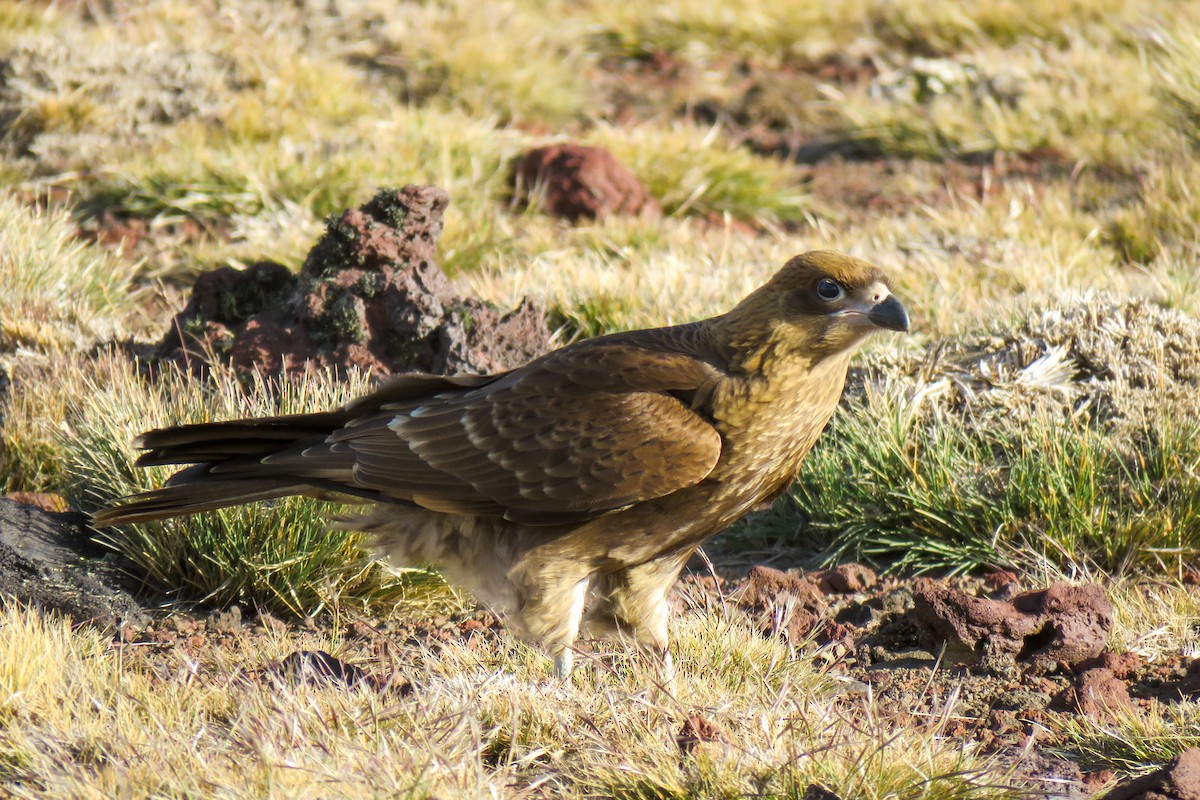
(756, 342)
(789, 368)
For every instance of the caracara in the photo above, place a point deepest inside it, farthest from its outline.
(571, 490)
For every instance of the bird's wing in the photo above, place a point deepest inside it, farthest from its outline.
(582, 432)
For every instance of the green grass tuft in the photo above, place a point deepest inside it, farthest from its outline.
(693, 171)
(1072, 437)
(282, 556)
(919, 494)
(1131, 742)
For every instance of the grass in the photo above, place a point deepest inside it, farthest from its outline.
(58, 292)
(938, 496)
(1132, 742)
(105, 718)
(1019, 99)
(1046, 444)
(212, 115)
(1155, 619)
(282, 557)
(507, 64)
(691, 170)
(1001, 160)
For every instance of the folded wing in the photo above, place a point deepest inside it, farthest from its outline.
(582, 432)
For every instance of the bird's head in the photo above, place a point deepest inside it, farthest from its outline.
(820, 303)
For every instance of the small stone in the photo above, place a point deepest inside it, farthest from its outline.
(1122, 665)
(816, 791)
(229, 620)
(1096, 693)
(766, 587)
(999, 579)
(576, 182)
(850, 578)
(272, 623)
(698, 729)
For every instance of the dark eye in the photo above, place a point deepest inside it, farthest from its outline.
(829, 289)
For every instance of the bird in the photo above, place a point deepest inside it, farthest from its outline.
(569, 492)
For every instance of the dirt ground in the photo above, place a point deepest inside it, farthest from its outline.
(868, 632)
(1003, 661)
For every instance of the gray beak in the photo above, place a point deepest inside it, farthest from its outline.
(889, 314)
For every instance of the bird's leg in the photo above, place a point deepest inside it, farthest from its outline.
(634, 600)
(563, 662)
(549, 614)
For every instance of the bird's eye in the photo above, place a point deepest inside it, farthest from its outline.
(829, 289)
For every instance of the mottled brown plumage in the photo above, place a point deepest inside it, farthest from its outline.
(584, 479)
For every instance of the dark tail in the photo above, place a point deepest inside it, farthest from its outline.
(237, 449)
(211, 442)
(178, 501)
(229, 456)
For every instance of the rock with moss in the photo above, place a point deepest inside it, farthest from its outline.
(370, 295)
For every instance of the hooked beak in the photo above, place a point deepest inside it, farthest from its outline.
(889, 314)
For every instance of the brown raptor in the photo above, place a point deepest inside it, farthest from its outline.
(575, 487)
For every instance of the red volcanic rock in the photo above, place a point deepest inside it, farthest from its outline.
(369, 295)
(1076, 621)
(1178, 780)
(576, 182)
(46, 501)
(781, 601)
(1096, 693)
(1123, 665)
(849, 578)
(1044, 627)
(766, 586)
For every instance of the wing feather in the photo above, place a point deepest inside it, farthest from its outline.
(581, 433)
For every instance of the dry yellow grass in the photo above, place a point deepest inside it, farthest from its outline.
(83, 717)
(58, 293)
(257, 118)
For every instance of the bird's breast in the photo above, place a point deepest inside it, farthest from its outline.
(769, 423)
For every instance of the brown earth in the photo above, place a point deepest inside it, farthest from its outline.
(866, 627)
